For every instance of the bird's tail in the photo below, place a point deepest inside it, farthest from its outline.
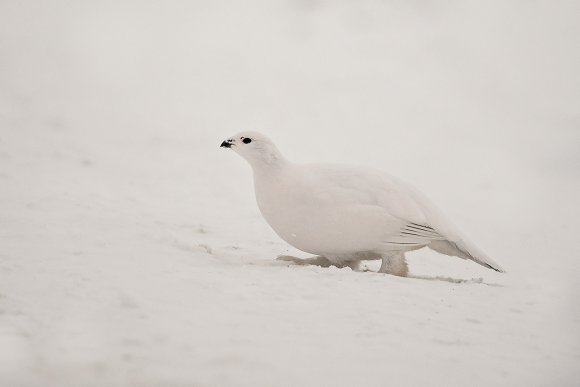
(466, 250)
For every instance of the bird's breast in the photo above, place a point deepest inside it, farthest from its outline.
(315, 223)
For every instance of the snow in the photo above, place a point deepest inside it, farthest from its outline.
(132, 252)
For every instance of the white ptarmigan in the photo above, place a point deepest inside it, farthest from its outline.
(346, 214)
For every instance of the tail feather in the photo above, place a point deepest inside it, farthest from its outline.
(460, 249)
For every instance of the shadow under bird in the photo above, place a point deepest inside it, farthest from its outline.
(345, 214)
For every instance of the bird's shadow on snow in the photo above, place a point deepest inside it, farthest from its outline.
(453, 280)
(322, 262)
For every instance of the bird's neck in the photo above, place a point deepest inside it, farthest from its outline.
(268, 164)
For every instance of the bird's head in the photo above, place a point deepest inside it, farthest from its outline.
(256, 148)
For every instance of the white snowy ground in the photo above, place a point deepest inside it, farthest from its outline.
(132, 252)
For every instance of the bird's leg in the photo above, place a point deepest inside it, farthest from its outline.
(321, 261)
(354, 265)
(316, 261)
(394, 263)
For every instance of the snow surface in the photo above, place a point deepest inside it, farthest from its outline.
(131, 249)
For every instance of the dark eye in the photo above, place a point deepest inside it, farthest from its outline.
(247, 140)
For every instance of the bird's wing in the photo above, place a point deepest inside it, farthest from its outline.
(405, 217)
(453, 241)
(410, 235)
(374, 195)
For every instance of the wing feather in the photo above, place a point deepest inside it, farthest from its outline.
(410, 235)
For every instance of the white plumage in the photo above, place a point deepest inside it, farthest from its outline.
(346, 214)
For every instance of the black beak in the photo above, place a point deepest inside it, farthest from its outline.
(226, 144)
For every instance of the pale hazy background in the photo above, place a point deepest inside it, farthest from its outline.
(482, 88)
(111, 114)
